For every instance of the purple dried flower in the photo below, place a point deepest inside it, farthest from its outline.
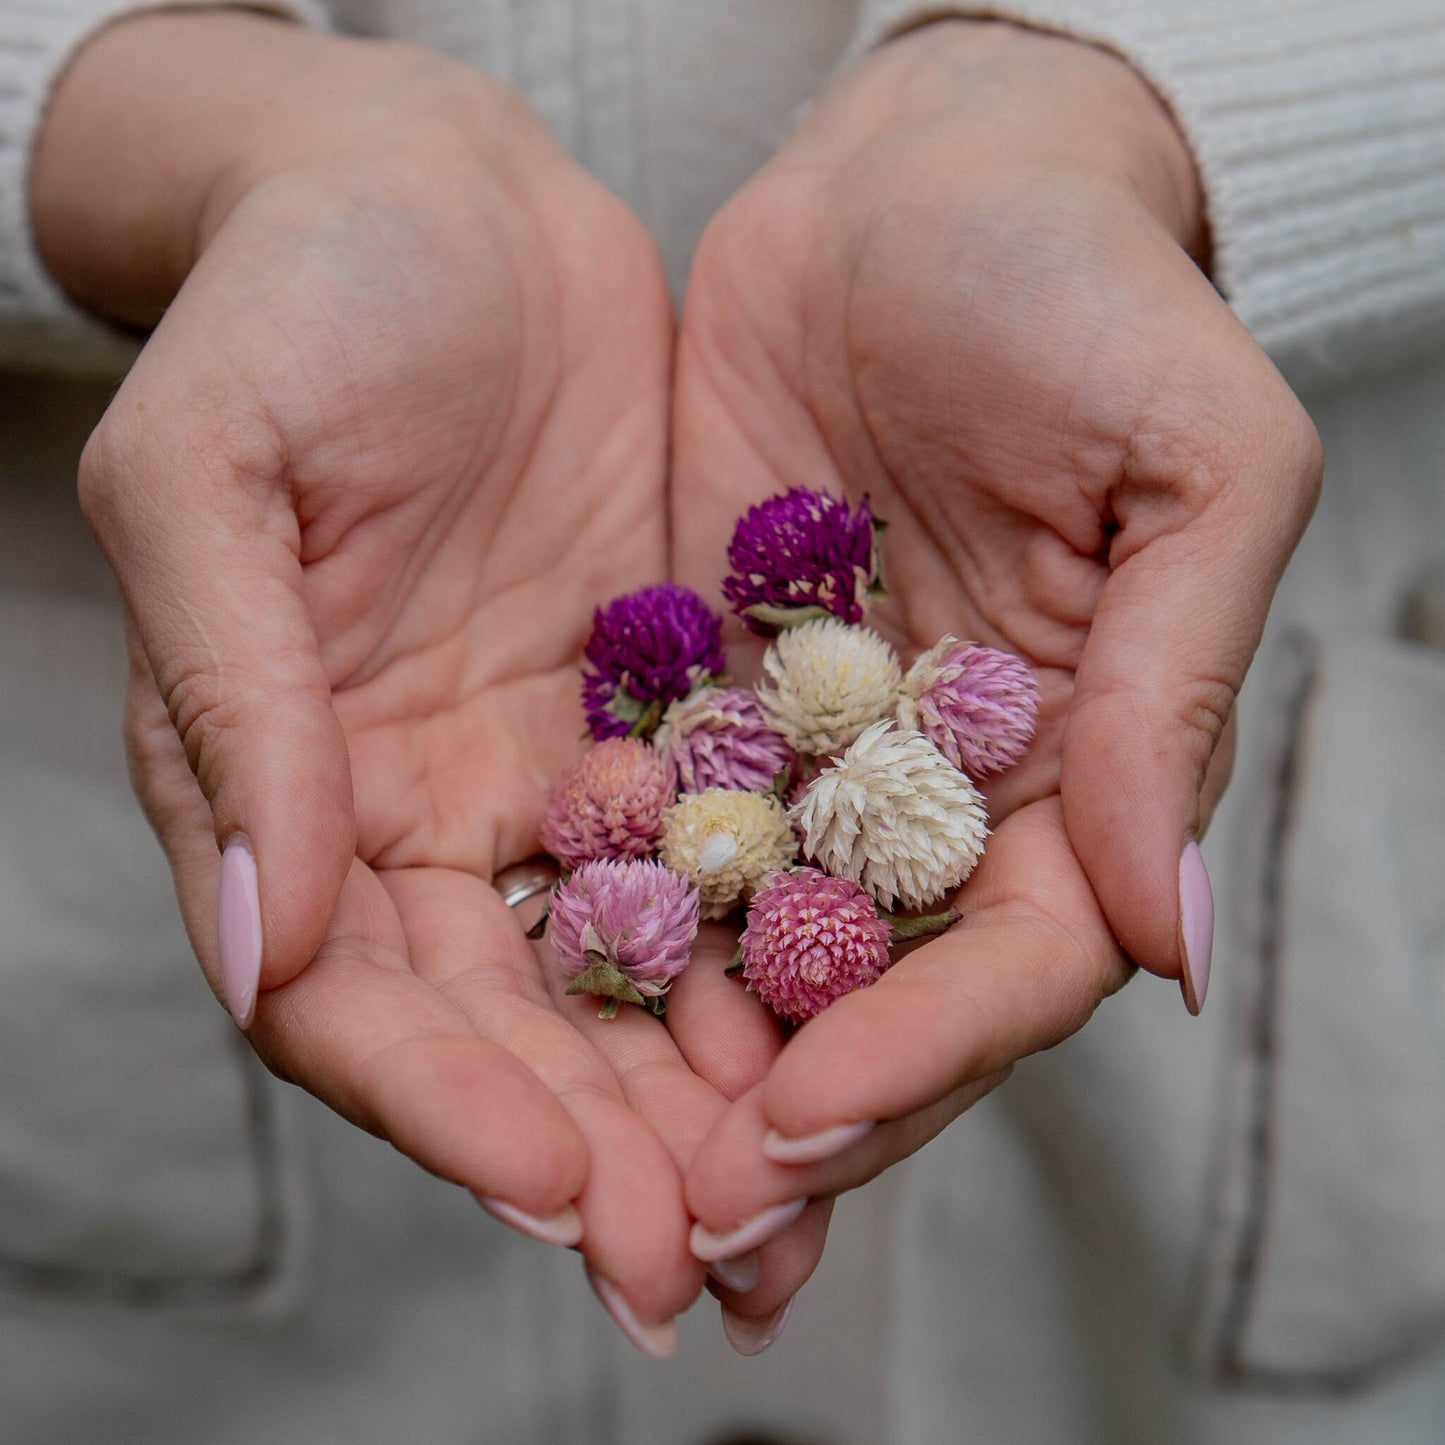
(623, 930)
(647, 649)
(809, 940)
(976, 705)
(800, 555)
(609, 803)
(719, 738)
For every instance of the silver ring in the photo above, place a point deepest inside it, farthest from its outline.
(526, 880)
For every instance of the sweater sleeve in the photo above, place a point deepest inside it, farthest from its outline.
(1318, 128)
(39, 325)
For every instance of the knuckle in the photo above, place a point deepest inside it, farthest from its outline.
(1204, 707)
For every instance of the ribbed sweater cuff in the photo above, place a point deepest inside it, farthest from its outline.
(38, 323)
(1318, 127)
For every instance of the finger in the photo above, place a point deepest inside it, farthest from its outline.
(734, 1183)
(752, 1319)
(380, 1046)
(1026, 967)
(188, 497)
(1209, 511)
(471, 950)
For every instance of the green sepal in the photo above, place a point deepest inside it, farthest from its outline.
(540, 926)
(603, 978)
(924, 926)
(878, 589)
(782, 618)
(736, 966)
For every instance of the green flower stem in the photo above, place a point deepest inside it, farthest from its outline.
(925, 926)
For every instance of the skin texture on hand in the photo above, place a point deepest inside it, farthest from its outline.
(965, 288)
(400, 430)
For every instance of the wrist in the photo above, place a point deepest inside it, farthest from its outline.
(1036, 102)
(166, 121)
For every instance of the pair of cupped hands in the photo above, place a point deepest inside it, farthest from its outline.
(416, 403)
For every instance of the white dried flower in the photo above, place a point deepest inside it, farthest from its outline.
(728, 843)
(895, 816)
(832, 680)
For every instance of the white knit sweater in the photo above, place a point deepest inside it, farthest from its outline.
(1318, 127)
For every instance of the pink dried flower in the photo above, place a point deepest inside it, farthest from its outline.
(623, 930)
(809, 940)
(609, 803)
(976, 705)
(719, 738)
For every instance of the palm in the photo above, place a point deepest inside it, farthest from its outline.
(461, 451)
(994, 381)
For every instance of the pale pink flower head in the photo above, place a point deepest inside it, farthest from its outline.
(719, 738)
(978, 706)
(809, 940)
(623, 929)
(609, 803)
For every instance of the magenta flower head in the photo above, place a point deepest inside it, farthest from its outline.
(647, 649)
(623, 930)
(802, 555)
(809, 940)
(719, 738)
(609, 803)
(978, 706)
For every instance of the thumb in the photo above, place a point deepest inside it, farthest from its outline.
(205, 546)
(1193, 569)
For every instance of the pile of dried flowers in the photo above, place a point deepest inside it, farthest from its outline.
(840, 788)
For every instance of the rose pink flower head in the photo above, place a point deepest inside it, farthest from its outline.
(609, 803)
(979, 707)
(720, 738)
(634, 918)
(809, 940)
(802, 554)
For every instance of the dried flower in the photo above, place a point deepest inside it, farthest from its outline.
(609, 803)
(896, 816)
(809, 940)
(719, 738)
(623, 929)
(832, 682)
(976, 705)
(727, 843)
(801, 555)
(646, 650)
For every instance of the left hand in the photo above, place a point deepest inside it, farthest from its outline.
(965, 287)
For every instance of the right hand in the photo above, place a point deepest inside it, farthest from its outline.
(400, 429)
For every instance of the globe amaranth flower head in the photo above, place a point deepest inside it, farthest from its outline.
(647, 649)
(609, 803)
(727, 843)
(830, 682)
(623, 929)
(719, 738)
(809, 940)
(978, 706)
(895, 816)
(800, 555)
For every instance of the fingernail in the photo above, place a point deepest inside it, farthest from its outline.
(655, 1341)
(710, 1247)
(814, 1148)
(739, 1275)
(752, 1337)
(238, 930)
(563, 1228)
(1196, 927)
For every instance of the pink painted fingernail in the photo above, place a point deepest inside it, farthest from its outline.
(238, 930)
(752, 1337)
(708, 1246)
(1196, 927)
(739, 1275)
(563, 1228)
(814, 1148)
(655, 1341)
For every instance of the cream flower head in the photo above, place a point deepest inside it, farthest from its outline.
(832, 681)
(895, 816)
(728, 843)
